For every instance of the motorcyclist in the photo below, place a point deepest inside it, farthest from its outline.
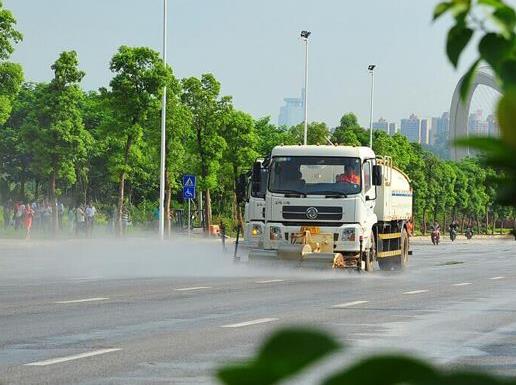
(452, 228)
(436, 233)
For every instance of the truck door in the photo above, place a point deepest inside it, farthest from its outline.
(369, 192)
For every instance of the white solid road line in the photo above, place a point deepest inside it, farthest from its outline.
(250, 323)
(193, 288)
(495, 278)
(72, 358)
(415, 292)
(348, 304)
(462, 284)
(83, 300)
(271, 281)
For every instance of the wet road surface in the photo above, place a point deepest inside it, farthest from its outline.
(144, 312)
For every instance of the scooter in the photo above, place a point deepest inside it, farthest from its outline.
(453, 234)
(468, 233)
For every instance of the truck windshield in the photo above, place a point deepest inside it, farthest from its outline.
(338, 176)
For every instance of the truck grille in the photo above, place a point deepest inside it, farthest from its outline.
(319, 213)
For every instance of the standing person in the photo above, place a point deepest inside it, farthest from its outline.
(60, 214)
(20, 212)
(71, 219)
(7, 213)
(81, 220)
(27, 220)
(90, 218)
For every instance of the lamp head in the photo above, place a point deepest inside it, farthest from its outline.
(371, 67)
(305, 34)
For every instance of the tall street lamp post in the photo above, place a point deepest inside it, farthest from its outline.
(371, 71)
(163, 133)
(305, 35)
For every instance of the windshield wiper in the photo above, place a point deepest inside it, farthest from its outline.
(330, 194)
(292, 193)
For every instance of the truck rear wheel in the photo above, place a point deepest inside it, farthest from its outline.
(398, 262)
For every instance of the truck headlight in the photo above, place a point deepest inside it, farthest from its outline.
(275, 233)
(348, 235)
(256, 230)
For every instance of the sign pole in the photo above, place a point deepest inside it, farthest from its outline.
(189, 217)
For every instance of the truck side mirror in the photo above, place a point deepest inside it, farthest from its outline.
(256, 178)
(240, 189)
(377, 175)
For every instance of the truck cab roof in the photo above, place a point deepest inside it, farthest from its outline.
(332, 151)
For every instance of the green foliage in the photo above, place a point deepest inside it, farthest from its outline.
(349, 132)
(8, 34)
(497, 47)
(284, 354)
(288, 351)
(318, 133)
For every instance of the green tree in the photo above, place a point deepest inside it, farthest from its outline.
(55, 129)
(268, 135)
(140, 76)
(241, 140)
(11, 75)
(349, 132)
(202, 97)
(318, 133)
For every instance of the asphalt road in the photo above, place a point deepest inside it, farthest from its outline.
(144, 312)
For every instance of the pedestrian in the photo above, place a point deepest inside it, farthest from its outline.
(90, 218)
(19, 213)
(222, 231)
(80, 219)
(60, 214)
(27, 220)
(7, 213)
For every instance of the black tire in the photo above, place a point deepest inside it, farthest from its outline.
(369, 256)
(398, 262)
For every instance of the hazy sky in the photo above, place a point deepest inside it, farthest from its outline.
(253, 48)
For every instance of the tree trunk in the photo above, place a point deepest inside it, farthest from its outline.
(462, 223)
(22, 185)
(494, 223)
(53, 203)
(121, 188)
(487, 221)
(478, 224)
(207, 209)
(444, 219)
(36, 190)
(424, 222)
(167, 206)
(502, 225)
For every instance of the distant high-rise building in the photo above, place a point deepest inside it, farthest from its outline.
(392, 128)
(425, 131)
(440, 128)
(292, 113)
(477, 125)
(411, 128)
(492, 125)
(381, 124)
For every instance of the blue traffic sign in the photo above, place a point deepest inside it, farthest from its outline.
(188, 192)
(189, 182)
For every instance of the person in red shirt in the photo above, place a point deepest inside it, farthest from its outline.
(349, 176)
(27, 220)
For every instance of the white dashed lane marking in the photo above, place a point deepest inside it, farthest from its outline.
(83, 300)
(250, 323)
(496, 278)
(462, 284)
(193, 288)
(348, 304)
(72, 358)
(415, 292)
(271, 281)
